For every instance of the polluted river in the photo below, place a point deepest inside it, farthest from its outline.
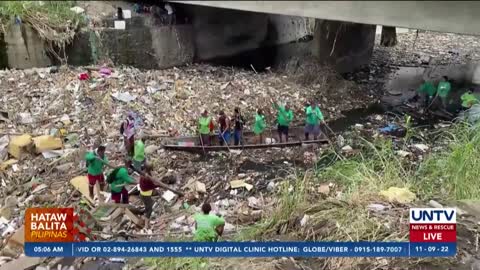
(342, 191)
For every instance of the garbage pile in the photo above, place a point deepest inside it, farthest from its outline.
(51, 116)
(429, 48)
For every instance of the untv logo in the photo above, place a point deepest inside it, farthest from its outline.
(433, 215)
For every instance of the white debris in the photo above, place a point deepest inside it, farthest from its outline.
(4, 141)
(347, 148)
(324, 189)
(125, 97)
(25, 118)
(200, 187)
(271, 186)
(150, 149)
(270, 140)
(181, 219)
(241, 175)
(434, 204)
(340, 141)
(304, 220)
(168, 196)
(421, 147)
(376, 207)
(358, 126)
(403, 153)
(39, 188)
(228, 227)
(77, 9)
(253, 202)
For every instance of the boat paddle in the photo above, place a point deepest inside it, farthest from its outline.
(158, 183)
(225, 141)
(329, 129)
(203, 147)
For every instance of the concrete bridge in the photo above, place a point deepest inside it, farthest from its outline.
(443, 16)
(344, 32)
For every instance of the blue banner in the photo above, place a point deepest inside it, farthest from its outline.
(240, 249)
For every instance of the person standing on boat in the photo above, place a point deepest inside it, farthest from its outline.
(238, 123)
(313, 120)
(224, 132)
(204, 128)
(284, 118)
(259, 126)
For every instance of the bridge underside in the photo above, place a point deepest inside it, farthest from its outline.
(443, 16)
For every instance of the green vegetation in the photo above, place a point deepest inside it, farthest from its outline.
(454, 172)
(449, 173)
(54, 22)
(57, 12)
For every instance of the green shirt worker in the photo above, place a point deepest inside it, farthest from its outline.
(208, 227)
(204, 128)
(259, 125)
(118, 179)
(443, 90)
(468, 99)
(428, 91)
(313, 119)
(284, 118)
(139, 154)
(95, 162)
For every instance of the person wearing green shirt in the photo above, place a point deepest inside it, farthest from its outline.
(313, 119)
(284, 118)
(468, 99)
(118, 179)
(139, 154)
(259, 125)
(443, 90)
(208, 227)
(205, 127)
(95, 169)
(428, 90)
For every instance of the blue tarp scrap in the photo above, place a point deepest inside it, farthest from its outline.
(389, 128)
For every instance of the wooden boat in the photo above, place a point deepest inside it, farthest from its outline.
(193, 144)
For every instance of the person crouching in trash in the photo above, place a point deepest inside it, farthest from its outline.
(208, 227)
(117, 180)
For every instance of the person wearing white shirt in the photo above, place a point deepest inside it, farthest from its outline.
(170, 14)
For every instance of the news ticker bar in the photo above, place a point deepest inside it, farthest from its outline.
(240, 249)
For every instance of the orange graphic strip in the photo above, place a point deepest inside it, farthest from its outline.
(49, 225)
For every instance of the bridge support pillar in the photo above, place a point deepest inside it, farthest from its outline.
(346, 46)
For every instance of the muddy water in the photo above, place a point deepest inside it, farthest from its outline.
(352, 117)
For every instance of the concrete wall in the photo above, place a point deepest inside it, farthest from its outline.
(347, 46)
(145, 44)
(214, 35)
(444, 16)
(25, 49)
